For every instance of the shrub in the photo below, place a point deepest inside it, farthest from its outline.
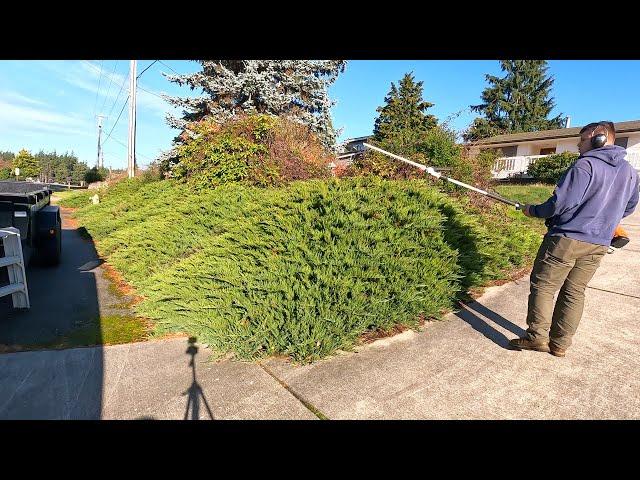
(440, 148)
(300, 270)
(482, 164)
(6, 173)
(150, 174)
(95, 175)
(256, 149)
(550, 169)
(436, 148)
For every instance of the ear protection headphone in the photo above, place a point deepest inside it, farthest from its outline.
(599, 140)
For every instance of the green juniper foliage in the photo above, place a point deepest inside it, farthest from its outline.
(518, 102)
(301, 270)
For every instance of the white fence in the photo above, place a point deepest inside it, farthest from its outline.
(14, 262)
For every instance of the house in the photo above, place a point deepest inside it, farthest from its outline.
(348, 150)
(519, 150)
(352, 147)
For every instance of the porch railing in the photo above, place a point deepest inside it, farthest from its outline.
(508, 167)
(516, 167)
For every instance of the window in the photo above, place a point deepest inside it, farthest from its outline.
(509, 151)
(622, 141)
(548, 151)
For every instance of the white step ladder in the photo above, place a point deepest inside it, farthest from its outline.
(14, 261)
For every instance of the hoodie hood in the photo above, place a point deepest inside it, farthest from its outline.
(611, 154)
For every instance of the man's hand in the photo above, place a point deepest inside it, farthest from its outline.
(526, 211)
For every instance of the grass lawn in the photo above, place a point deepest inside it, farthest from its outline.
(74, 198)
(533, 194)
(106, 330)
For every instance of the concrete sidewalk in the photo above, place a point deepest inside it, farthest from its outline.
(459, 368)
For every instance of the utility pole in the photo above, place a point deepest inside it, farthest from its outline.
(131, 156)
(100, 158)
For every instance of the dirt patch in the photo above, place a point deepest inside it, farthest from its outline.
(169, 336)
(513, 276)
(68, 221)
(120, 285)
(372, 336)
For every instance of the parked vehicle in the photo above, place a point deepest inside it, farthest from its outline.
(27, 207)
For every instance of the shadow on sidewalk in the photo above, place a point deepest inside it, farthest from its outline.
(55, 382)
(472, 313)
(472, 262)
(195, 390)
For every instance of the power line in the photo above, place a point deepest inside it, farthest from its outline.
(91, 65)
(114, 125)
(150, 92)
(137, 152)
(109, 87)
(146, 69)
(143, 89)
(119, 92)
(99, 80)
(168, 67)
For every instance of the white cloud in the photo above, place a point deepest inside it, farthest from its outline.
(10, 95)
(26, 119)
(87, 76)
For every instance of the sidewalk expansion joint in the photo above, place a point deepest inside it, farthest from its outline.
(309, 406)
(615, 293)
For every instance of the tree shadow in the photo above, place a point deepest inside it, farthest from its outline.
(470, 260)
(194, 392)
(47, 379)
(472, 263)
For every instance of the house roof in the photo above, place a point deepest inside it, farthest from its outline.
(357, 139)
(621, 127)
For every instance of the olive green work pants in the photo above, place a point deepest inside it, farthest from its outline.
(566, 264)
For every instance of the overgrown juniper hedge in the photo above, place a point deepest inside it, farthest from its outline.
(301, 270)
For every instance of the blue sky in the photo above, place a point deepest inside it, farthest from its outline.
(52, 104)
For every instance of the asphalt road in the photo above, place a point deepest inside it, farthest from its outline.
(62, 298)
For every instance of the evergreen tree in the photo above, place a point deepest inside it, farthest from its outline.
(402, 121)
(27, 164)
(518, 102)
(6, 159)
(296, 88)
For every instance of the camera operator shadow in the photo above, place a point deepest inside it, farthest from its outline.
(195, 390)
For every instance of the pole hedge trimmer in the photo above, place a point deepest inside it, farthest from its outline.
(435, 174)
(620, 236)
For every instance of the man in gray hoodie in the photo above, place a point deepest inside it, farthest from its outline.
(589, 201)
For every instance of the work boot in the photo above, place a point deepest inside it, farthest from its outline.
(526, 344)
(557, 351)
